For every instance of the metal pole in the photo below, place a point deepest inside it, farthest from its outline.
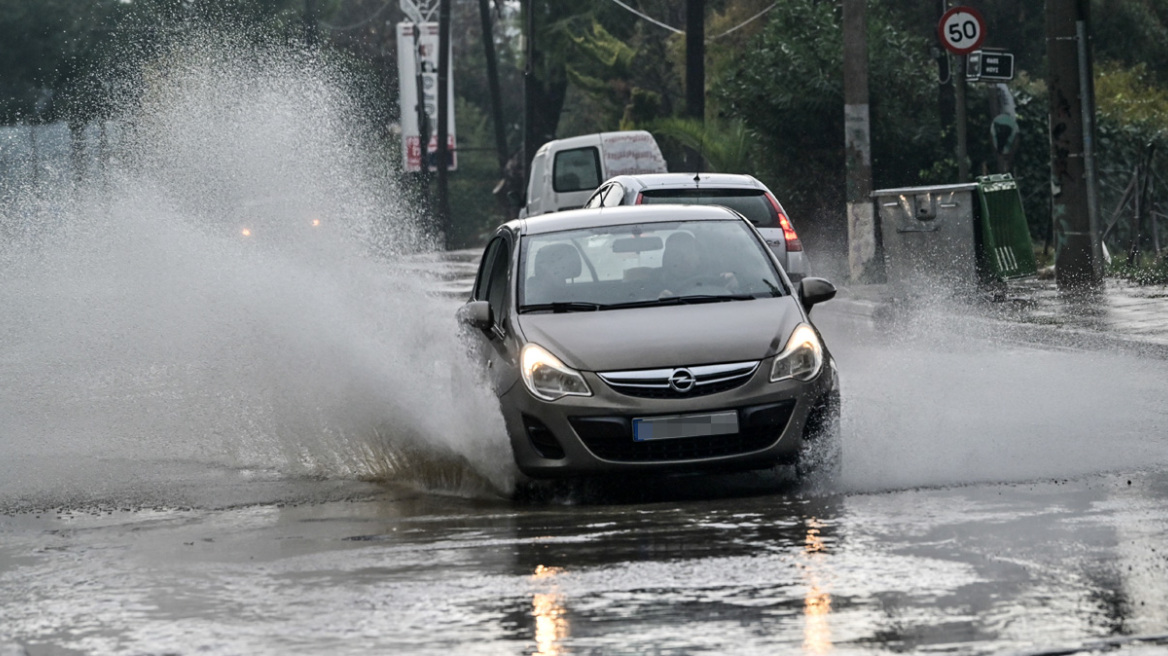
(423, 122)
(444, 120)
(962, 138)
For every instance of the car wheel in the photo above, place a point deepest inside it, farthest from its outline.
(821, 457)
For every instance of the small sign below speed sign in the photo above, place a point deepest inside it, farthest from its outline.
(961, 30)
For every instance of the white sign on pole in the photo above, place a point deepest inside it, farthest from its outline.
(419, 56)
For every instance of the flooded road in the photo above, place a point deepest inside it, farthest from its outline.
(1044, 540)
(1006, 568)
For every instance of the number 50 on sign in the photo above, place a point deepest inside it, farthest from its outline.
(961, 30)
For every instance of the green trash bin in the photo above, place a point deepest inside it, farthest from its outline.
(1004, 251)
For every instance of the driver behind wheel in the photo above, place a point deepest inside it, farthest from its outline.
(684, 272)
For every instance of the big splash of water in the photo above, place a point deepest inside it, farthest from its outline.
(229, 290)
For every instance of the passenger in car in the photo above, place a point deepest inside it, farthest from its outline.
(683, 271)
(555, 265)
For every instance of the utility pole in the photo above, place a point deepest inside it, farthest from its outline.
(529, 138)
(493, 84)
(311, 27)
(423, 120)
(857, 140)
(1078, 252)
(695, 68)
(443, 119)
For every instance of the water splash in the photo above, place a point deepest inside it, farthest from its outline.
(141, 324)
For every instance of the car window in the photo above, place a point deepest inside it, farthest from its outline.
(595, 199)
(576, 170)
(479, 293)
(614, 195)
(751, 203)
(640, 263)
(497, 280)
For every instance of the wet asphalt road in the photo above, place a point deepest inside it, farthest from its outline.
(999, 495)
(1004, 568)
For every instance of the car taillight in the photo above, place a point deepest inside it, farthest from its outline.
(789, 234)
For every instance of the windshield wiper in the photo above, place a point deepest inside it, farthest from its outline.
(713, 298)
(563, 306)
(682, 300)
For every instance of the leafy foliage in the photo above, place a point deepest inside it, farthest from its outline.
(725, 145)
(789, 95)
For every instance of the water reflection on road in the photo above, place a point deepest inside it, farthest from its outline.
(977, 569)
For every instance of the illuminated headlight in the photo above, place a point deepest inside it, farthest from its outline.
(547, 378)
(801, 358)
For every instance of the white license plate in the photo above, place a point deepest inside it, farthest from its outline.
(679, 426)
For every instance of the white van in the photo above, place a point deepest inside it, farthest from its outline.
(565, 172)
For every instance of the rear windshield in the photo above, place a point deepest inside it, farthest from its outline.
(751, 203)
(576, 170)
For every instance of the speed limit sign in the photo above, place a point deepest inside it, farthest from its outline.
(961, 30)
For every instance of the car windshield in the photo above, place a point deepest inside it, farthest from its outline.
(751, 203)
(644, 264)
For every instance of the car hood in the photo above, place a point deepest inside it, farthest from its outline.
(665, 336)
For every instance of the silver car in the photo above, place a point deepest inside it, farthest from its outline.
(741, 193)
(663, 338)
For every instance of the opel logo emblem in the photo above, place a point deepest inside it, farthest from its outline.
(681, 381)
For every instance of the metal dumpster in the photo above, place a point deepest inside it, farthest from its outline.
(928, 236)
(954, 237)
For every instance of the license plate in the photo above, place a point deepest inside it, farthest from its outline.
(678, 426)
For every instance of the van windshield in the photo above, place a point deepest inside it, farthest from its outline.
(751, 203)
(576, 170)
(645, 264)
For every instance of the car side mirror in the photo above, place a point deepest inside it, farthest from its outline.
(815, 290)
(476, 314)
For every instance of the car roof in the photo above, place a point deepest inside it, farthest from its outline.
(595, 139)
(622, 215)
(690, 180)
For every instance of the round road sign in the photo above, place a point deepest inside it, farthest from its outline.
(961, 30)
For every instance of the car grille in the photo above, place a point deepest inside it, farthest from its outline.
(611, 438)
(703, 379)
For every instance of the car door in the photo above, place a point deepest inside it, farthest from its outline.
(495, 346)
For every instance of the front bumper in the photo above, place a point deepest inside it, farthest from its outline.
(582, 435)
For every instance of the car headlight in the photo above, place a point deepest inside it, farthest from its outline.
(801, 358)
(547, 378)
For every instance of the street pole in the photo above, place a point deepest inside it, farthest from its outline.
(423, 122)
(695, 69)
(443, 119)
(962, 136)
(311, 27)
(493, 85)
(857, 141)
(1078, 261)
(529, 138)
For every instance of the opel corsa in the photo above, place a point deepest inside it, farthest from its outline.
(651, 338)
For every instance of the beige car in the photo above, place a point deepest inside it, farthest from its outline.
(651, 338)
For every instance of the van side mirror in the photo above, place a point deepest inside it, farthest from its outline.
(476, 314)
(815, 290)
